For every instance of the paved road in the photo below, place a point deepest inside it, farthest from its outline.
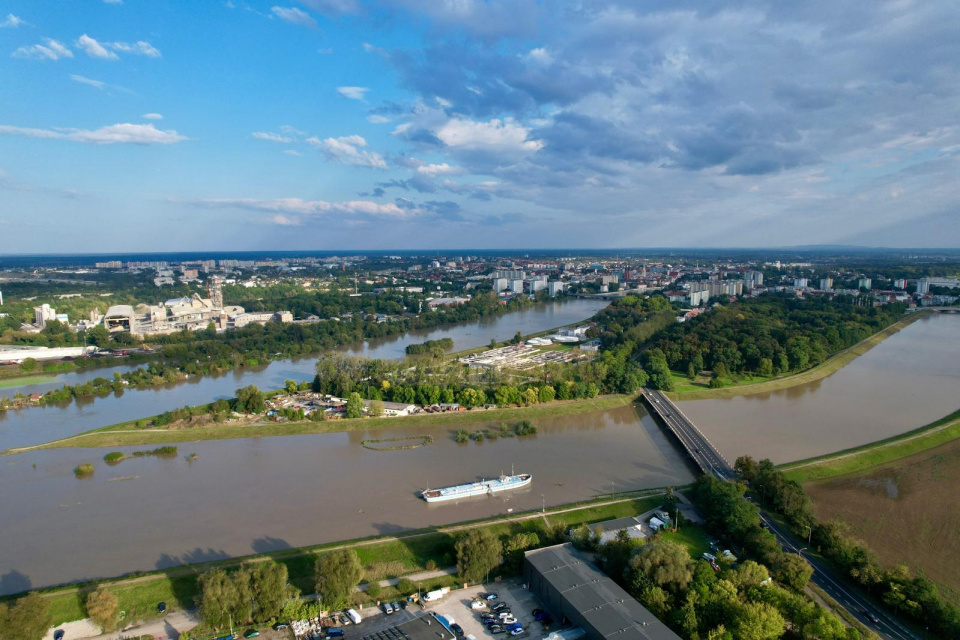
(706, 456)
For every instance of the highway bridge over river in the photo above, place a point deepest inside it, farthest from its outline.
(711, 462)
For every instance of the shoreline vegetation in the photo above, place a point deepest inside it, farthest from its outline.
(403, 554)
(829, 366)
(874, 454)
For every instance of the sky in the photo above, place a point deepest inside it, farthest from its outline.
(156, 125)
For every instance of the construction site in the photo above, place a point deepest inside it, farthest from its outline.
(524, 356)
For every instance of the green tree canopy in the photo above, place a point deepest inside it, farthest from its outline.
(478, 552)
(337, 573)
(26, 619)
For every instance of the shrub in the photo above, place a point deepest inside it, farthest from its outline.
(374, 589)
(83, 470)
(461, 436)
(406, 586)
(525, 428)
(477, 435)
(114, 457)
(431, 565)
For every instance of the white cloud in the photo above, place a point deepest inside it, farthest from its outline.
(124, 133)
(94, 49)
(271, 137)
(348, 149)
(152, 116)
(138, 48)
(434, 170)
(539, 56)
(504, 135)
(294, 16)
(11, 22)
(375, 119)
(284, 221)
(52, 50)
(292, 152)
(88, 81)
(353, 93)
(285, 207)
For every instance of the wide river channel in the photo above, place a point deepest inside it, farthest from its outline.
(252, 495)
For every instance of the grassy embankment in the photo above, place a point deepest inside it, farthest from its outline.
(382, 557)
(687, 390)
(876, 453)
(24, 380)
(127, 433)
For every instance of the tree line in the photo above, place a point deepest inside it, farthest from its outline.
(913, 596)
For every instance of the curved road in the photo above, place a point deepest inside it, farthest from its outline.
(711, 462)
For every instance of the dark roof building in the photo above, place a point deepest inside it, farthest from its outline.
(575, 591)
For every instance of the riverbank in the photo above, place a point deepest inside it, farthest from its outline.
(383, 557)
(126, 433)
(831, 365)
(876, 453)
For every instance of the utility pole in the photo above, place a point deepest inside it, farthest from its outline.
(543, 501)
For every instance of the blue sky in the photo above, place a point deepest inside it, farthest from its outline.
(347, 124)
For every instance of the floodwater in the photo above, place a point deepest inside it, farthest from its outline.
(909, 380)
(35, 425)
(255, 495)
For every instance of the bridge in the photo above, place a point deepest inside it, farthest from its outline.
(711, 462)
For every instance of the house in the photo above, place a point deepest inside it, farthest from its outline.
(611, 529)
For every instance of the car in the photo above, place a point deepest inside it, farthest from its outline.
(162, 608)
(457, 630)
(499, 606)
(490, 596)
(280, 625)
(58, 634)
(505, 613)
(497, 629)
(396, 606)
(872, 616)
(478, 604)
(516, 632)
(508, 620)
(491, 621)
(403, 604)
(334, 632)
(387, 608)
(513, 625)
(251, 633)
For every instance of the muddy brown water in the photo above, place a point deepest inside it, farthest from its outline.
(910, 379)
(263, 494)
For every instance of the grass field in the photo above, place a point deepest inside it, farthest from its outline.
(832, 364)
(127, 434)
(382, 558)
(907, 511)
(16, 382)
(876, 453)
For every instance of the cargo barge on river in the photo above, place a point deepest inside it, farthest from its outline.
(481, 488)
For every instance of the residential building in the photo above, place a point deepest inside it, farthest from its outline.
(800, 283)
(752, 280)
(500, 284)
(43, 314)
(556, 287)
(864, 283)
(826, 284)
(516, 286)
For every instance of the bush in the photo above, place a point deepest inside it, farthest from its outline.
(525, 428)
(406, 586)
(83, 470)
(431, 565)
(374, 589)
(477, 435)
(461, 436)
(114, 457)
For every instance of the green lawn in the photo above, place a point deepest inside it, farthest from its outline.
(693, 537)
(16, 382)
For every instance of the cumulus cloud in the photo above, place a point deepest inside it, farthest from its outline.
(294, 16)
(94, 49)
(353, 93)
(504, 135)
(442, 169)
(11, 22)
(125, 133)
(139, 48)
(49, 50)
(349, 150)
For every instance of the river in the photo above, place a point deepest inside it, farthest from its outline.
(254, 495)
(910, 379)
(35, 425)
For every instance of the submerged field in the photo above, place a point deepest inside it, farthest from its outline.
(907, 511)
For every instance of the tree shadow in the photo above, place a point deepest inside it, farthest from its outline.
(183, 579)
(427, 552)
(268, 544)
(14, 582)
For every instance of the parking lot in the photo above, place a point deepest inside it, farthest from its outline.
(521, 602)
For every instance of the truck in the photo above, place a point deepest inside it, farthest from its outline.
(436, 594)
(354, 616)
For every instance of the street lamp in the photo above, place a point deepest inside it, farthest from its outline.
(800, 552)
(543, 504)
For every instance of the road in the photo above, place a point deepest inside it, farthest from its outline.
(711, 462)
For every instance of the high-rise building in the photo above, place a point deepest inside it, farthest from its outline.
(899, 283)
(43, 314)
(923, 286)
(752, 280)
(800, 283)
(826, 284)
(864, 283)
(500, 284)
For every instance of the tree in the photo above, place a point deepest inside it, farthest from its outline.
(291, 386)
(376, 408)
(28, 365)
(477, 553)
(758, 621)
(104, 609)
(250, 400)
(218, 598)
(98, 336)
(337, 573)
(792, 571)
(516, 545)
(26, 619)
(667, 564)
(354, 405)
(269, 588)
(748, 574)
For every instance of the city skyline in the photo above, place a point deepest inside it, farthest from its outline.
(322, 124)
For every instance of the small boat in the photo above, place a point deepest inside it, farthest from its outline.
(481, 488)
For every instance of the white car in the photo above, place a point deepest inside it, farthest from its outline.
(387, 608)
(508, 620)
(478, 604)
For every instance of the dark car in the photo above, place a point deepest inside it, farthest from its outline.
(162, 607)
(871, 616)
(58, 634)
(251, 633)
(497, 629)
(491, 621)
(280, 625)
(490, 596)
(499, 606)
(334, 632)
(457, 630)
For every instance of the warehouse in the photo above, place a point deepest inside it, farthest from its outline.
(577, 593)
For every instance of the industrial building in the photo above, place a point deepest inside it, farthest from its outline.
(577, 593)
